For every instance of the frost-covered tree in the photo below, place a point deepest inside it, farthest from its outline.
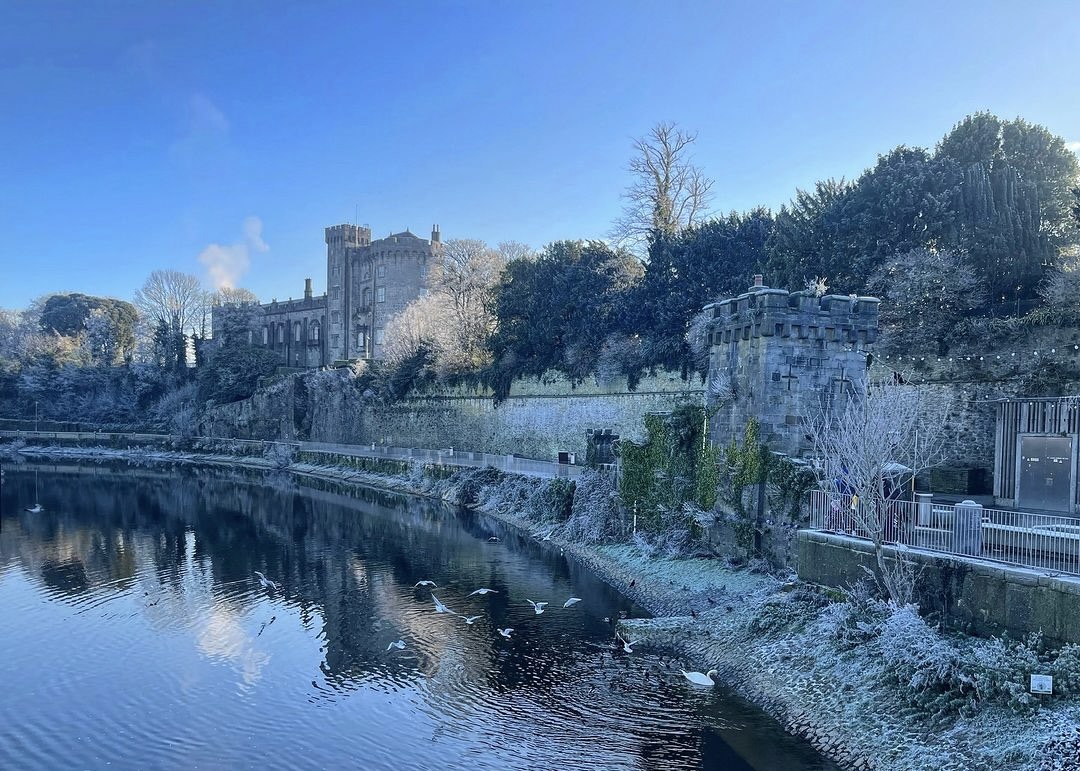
(463, 276)
(859, 439)
(925, 293)
(667, 191)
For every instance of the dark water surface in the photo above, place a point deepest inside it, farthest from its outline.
(134, 635)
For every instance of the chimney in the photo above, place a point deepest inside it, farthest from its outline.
(436, 236)
(758, 280)
(307, 288)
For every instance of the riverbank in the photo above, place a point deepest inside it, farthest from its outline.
(819, 666)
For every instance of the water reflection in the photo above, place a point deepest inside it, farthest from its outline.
(139, 618)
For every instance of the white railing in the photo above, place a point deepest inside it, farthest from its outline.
(1039, 541)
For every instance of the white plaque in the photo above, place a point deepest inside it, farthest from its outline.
(1042, 684)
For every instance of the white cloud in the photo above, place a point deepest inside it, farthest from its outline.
(1074, 146)
(226, 264)
(204, 132)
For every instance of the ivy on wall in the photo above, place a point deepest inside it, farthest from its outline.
(673, 466)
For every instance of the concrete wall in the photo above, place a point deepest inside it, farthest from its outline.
(540, 418)
(985, 597)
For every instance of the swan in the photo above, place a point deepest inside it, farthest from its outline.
(432, 584)
(265, 582)
(506, 632)
(537, 606)
(701, 679)
(483, 590)
(400, 645)
(440, 608)
(470, 619)
(571, 601)
(37, 508)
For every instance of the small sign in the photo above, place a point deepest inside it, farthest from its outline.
(1042, 684)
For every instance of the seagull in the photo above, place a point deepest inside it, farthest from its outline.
(440, 608)
(537, 606)
(506, 632)
(37, 508)
(571, 601)
(548, 534)
(400, 645)
(471, 619)
(626, 644)
(701, 679)
(432, 584)
(483, 590)
(265, 582)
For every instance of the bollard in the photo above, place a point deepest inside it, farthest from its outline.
(967, 528)
(924, 509)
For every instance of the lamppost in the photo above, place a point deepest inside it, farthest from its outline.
(35, 417)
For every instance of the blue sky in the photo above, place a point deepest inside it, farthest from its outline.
(140, 135)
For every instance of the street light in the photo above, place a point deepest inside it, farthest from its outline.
(35, 417)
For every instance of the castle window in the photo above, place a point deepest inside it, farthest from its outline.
(380, 294)
(366, 295)
(381, 271)
(335, 317)
(334, 340)
(281, 333)
(266, 336)
(299, 332)
(315, 332)
(379, 336)
(361, 340)
(251, 337)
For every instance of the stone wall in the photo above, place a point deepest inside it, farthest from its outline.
(540, 418)
(984, 597)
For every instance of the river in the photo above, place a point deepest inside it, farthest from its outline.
(135, 634)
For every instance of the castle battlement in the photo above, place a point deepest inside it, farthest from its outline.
(348, 235)
(774, 352)
(766, 312)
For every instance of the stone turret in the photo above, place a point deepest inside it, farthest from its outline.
(774, 353)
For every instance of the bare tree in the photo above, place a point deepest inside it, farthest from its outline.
(233, 295)
(860, 439)
(174, 306)
(423, 322)
(667, 191)
(464, 275)
(515, 250)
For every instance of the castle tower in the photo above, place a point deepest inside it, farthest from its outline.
(341, 240)
(774, 353)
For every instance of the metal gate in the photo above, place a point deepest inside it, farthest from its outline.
(1045, 479)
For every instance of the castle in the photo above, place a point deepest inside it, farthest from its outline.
(368, 283)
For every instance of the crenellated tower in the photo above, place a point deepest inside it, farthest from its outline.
(341, 242)
(773, 353)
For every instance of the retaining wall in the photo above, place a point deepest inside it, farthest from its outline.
(984, 597)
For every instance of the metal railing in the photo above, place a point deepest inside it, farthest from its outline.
(513, 464)
(1042, 541)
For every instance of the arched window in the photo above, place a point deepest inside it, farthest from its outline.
(266, 336)
(298, 332)
(251, 336)
(315, 332)
(366, 297)
(281, 334)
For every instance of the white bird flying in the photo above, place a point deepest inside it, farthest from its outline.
(571, 601)
(483, 590)
(626, 643)
(547, 535)
(400, 645)
(493, 539)
(537, 606)
(265, 582)
(440, 608)
(697, 678)
(471, 619)
(506, 632)
(432, 584)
